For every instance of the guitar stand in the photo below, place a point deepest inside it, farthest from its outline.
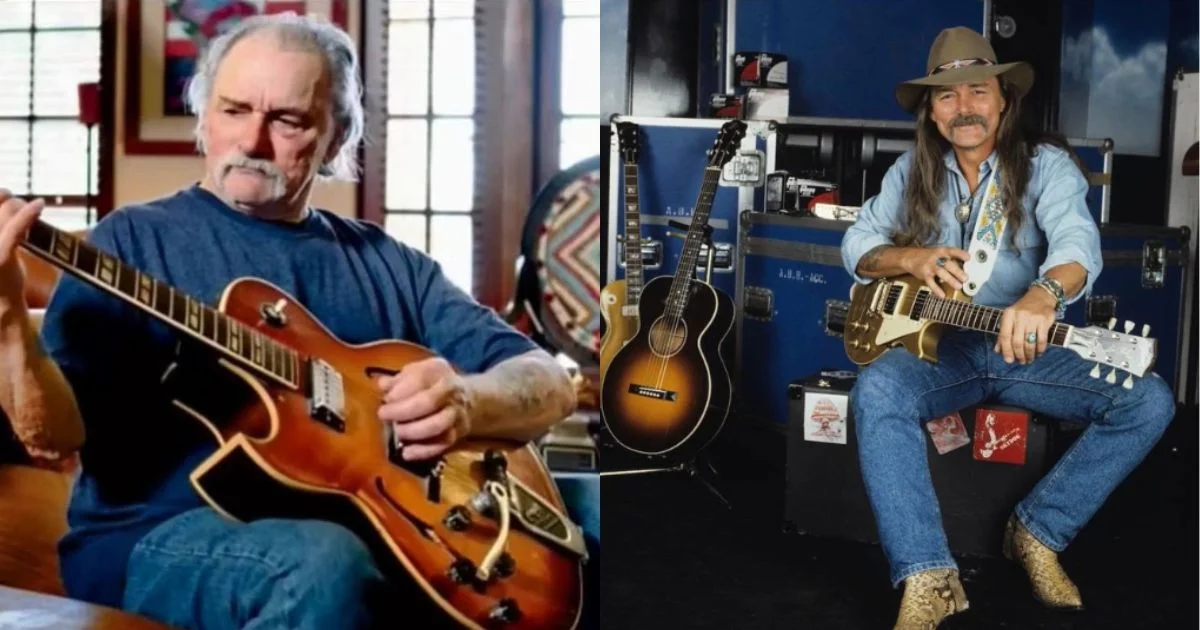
(688, 467)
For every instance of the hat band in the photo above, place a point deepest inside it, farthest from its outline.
(961, 63)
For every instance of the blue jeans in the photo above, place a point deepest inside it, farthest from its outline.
(896, 394)
(200, 570)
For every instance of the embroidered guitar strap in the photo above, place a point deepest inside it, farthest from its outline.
(985, 238)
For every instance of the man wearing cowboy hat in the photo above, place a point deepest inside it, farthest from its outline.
(970, 158)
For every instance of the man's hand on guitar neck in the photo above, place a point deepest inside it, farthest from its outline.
(1035, 312)
(428, 407)
(16, 217)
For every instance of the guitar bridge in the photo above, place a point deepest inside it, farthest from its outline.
(327, 400)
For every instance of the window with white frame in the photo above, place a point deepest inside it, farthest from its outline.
(579, 72)
(429, 188)
(47, 48)
(431, 73)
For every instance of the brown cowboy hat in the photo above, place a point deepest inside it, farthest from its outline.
(961, 55)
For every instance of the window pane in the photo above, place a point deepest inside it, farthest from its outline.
(406, 150)
(16, 13)
(454, 8)
(407, 228)
(580, 66)
(70, 218)
(452, 164)
(579, 138)
(454, 67)
(408, 68)
(63, 60)
(60, 158)
(408, 9)
(581, 7)
(14, 74)
(453, 244)
(60, 13)
(14, 156)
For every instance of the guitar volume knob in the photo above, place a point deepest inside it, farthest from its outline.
(461, 571)
(457, 518)
(506, 611)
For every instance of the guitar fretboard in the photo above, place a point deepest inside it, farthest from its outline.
(633, 236)
(677, 299)
(967, 315)
(228, 336)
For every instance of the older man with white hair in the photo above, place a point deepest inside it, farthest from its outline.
(278, 106)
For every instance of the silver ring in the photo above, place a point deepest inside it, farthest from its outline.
(941, 262)
(1031, 338)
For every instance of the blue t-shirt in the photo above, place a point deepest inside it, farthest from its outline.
(359, 282)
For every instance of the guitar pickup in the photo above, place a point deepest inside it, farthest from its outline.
(651, 253)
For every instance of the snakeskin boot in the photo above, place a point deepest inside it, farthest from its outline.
(929, 597)
(1051, 586)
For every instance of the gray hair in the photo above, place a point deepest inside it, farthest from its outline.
(313, 34)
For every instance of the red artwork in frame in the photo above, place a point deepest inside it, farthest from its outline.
(159, 56)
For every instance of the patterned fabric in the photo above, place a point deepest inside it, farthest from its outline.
(567, 257)
(929, 597)
(1051, 586)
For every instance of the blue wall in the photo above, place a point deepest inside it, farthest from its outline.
(846, 57)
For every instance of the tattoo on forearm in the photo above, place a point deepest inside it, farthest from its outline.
(870, 260)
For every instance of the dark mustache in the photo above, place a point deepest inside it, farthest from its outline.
(969, 119)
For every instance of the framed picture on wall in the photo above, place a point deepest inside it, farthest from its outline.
(164, 41)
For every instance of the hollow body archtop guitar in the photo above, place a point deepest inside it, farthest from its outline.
(481, 533)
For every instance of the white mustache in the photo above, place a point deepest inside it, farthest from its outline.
(268, 169)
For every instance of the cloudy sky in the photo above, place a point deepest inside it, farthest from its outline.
(1124, 85)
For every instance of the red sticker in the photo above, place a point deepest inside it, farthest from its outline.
(1000, 436)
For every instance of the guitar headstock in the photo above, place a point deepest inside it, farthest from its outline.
(1130, 353)
(727, 143)
(627, 137)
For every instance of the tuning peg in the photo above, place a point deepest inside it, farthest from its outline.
(1128, 327)
(1112, 322)
(1095, 373)
(1112, 377)
(1145, 330)
(1128, 384)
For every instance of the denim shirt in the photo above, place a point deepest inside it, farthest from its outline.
(1057, 226)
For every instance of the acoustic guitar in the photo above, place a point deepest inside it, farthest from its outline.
(619, 298)
(481, 532)
(667, 391)
(903, 312)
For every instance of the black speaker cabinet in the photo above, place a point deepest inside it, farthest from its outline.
(990, 457)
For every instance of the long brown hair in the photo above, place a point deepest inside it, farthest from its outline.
(1015, 148)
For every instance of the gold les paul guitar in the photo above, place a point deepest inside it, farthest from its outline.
(902, 311)
(619, 299)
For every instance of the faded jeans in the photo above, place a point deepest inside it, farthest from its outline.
(897, 393)
(200, 570)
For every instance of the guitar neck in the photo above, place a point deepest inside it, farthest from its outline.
(229, 337)
(634, 275)
(974, 316)
(691, 249)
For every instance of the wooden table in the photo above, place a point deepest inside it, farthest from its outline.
(28, 610)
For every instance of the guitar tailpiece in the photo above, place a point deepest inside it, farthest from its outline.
(489, 561)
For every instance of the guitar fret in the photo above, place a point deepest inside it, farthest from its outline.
(257, 349)
(222, 330)
(178, 307)
(193, 313)
(146, 289)
(208, 322)
(126, 279)
(108, 270)
(233, 342)
(162, 298)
